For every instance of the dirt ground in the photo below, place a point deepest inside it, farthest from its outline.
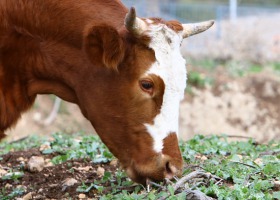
(247, 106)
(53, 182)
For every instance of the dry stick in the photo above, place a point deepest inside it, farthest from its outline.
(196, 194)
(193, 193)
(19, 140)
(53, 113)
(246, 181)
(239, 136)
(155, 184)
(244, 164)
(195, 174)
(270, 153)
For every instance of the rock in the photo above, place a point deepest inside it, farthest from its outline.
(68, 182)
(45, 146)
(114, 162)
(82, 196)
(87, 168)
(100, 171)
(258, 161)
(48, 163)
(27, 196)
(204, 158)
(8, 186)
(2, 172)
(36, 164)
(22, 187)
(240, 156)
(20, 159)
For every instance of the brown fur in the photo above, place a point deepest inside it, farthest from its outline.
(81, 52)
(173, 24)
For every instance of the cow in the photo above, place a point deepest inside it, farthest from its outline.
(125, 73)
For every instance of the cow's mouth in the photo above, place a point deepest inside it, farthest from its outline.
(153, 171)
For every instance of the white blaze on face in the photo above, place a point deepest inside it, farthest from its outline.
(170, 66)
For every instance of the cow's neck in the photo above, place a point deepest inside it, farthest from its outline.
(57, 72)
(32, 67)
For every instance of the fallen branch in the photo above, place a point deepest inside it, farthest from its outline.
(238, 136)
(270, 153)
(53, 113)
(196, 195)
(244, 164)
(191, 193)
(192, 175)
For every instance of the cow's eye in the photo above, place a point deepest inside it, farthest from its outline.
(147, 86)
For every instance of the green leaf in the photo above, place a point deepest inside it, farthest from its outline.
(48, 151)
(276, 195)
(12, 176)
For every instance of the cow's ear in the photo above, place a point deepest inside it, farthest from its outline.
(104, 44)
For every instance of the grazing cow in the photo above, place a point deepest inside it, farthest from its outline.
(125, 73)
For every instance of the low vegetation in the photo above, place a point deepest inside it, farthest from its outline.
(215, 168)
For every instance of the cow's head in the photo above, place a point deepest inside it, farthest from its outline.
(131, 92)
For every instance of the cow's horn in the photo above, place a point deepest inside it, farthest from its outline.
(134, 24)
(195, 28)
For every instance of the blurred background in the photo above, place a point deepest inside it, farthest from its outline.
(233, 72)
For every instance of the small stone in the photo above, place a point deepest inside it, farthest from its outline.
(45, 146)
(24, 188)
(100, 171)
(82, 196)
(276, 185)
(198, 156)
(240, 156)
(2, 172)
(204, 158)
(8, 186)
(258, 161)
(27, 196)
(48, 163)
(69, 182)
(87, 168)
(20, 159)
(36, 164)
(114, 163)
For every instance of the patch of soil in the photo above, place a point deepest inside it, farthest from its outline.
(53, 182)
(246, 106)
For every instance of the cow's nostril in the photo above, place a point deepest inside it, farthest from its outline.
(167, 168)
(171, 170)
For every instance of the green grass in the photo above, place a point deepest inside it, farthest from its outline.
(25, 143)
(87, 146)
(247, 170)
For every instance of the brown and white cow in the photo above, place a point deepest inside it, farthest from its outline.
(125, 73)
